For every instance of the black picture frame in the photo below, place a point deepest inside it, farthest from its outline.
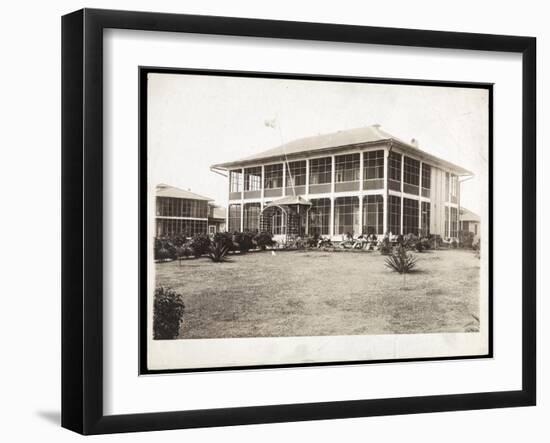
(82, 220)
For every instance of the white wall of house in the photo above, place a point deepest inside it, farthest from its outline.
(438, 198)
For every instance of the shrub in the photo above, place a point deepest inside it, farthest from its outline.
(466, 239)
(427, 242)
(243, 240)
(179, 240)
(164, 249)
(385, 247)
(312, 241)
(454, 244)
(401, 261)
(200, 244)
(167, 313)
(218, 252)
(225, 238)
(183, 251)
(263, 240)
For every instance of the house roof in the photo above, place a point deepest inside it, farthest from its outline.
(171, 191)
(467, 215)
(339, 140)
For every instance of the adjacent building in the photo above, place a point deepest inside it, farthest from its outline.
(216, 219)
(469, 221)
(182, 212)
(355, 181)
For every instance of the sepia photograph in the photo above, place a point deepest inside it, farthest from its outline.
(299, 220)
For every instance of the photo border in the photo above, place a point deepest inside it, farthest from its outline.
(143, 71)
(82, 220)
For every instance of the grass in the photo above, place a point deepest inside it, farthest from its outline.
(314, 293)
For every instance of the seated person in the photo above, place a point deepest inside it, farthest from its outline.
(361, 242)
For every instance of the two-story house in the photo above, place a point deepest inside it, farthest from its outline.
(355, 181)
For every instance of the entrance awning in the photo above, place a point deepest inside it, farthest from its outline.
(289, 200)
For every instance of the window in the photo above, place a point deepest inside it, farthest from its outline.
(253, 179)
(277, 221)
(347, 168)
(373, 214)
(234, 218)
(346, 215)
(273, 176)
(188, 228)
(475, 228)
(394, 171)
(454, 188)
(410, 216)
(235, 181)
(426, 179)
(160, 206)
(426, 213)
(373, 165)
(180, 207)
(251, 216)
(319, 216)
(394, 166)
(394, 212)
(296, 173)
(446, 222)
(411, 171)
(454, 222)
(320, 171)
(447, 186)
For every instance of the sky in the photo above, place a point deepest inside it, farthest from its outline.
(195, 121)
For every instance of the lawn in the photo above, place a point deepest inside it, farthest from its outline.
(309, 293)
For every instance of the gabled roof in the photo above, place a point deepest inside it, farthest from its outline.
(467, 215)
(289, 200)
(171, 191)
(339, 140)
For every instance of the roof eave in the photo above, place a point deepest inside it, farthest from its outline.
(436, 161)
(304, 154)
(458, 170)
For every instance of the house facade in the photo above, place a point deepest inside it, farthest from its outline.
(358, 181)
(180, 212)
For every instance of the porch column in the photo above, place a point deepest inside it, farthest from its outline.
(332, 188)
(332, 173)
(402, 174)
(284, 178)
(386, 193)
(361, 174)
(262, 187)
(242, 201)
(420, 201)
(331, 224)
(307, 176)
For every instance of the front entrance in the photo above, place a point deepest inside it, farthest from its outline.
(285, 217)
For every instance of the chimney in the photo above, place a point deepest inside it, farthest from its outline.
(377, 126)
(414, 142)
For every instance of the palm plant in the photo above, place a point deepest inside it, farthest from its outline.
(401, 261)
(218, 252)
